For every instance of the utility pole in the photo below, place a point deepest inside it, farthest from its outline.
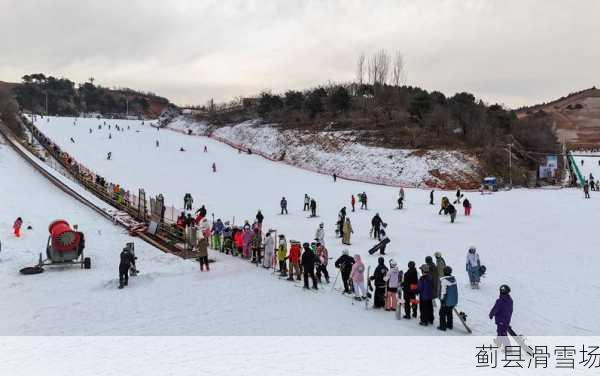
(510, 165)
(46, 102)
(127, 107)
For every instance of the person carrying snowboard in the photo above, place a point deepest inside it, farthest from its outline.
(347, 228)
(409, 288)
(358, 278)
(282, 255)
(378, 278)
(467, 206)
(306, 202)
(283, 205)
(269, 250)
(322, 260)
(473, 267)
(393, 278)
(17, 227)
(448, 299)
(425, 289)
(126, 261)
(502, 313)
(345, 263)
(308, 266)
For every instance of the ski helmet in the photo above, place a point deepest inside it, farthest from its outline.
(504, 290)
(392, 263)
(447, 271)
(437, 254)
(321, 225)
(472, 249)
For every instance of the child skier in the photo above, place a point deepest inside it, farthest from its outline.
(502, 313)
(17, 227)
(282, 255)
(473, 267)
(358, 278)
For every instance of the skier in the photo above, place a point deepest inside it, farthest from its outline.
(109, 135)
(306, 202)
(294, 259)
(347, 231)
(378, 278)
(424, 287)
(448, 299)
(435, 276)
(217, 230)
(17, 227)
(308, 266)
(363, 201)
(458, 196)
(320, 234)
(205, 149)
(72, 140)
(256, 245)
(283, 205)
(214, 167)
(502, 313)
(322, 260)
(473, 267)
(353, 202)
(126, 261)
(392, 279)
(313, 207)
(203, 252)
(282, 255)
(344, 263)
(358, 278)
(431, 197)
(247, 240)
(452, 211)
(269, 250)
(467, 206)
(376, 226)
(108, 156)
(227, 238)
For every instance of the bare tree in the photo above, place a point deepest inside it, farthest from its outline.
(378, 67)
(398, 69)
(360, 69)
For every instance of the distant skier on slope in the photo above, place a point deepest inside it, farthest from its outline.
(214, 167)
(313, 207)
(353, 202)
(431, 197)
(17, 227)
(108, 156)
(502, 313)
(283, 204)
(306, 202)
(473, 267)
(127, 260)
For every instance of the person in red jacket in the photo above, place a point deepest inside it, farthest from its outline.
(294, 258)
(353, 202)
(238, 239)
(467, 206)
(17, 227)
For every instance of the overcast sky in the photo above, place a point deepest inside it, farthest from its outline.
(511, 52)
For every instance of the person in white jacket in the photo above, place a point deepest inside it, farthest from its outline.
(320, 234)
(269, 250)
(473, 267)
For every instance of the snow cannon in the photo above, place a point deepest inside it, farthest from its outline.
(65, 246)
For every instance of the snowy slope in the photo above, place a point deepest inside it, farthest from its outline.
(340, 152)
(590, 163)
(533, 240)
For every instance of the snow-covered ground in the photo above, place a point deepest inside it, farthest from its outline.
(340, 152)
(537, 241)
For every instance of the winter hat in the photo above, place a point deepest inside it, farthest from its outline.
(437, 255)
(504, 290)
(428, 260)
(392, 263)
(424, 268)
(411, 264)
(381, 261)
(447, 271)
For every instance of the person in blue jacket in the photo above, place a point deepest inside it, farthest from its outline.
(448, 298)
(502, 313)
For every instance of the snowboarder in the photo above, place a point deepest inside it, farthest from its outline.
(127, 259)
(347, 231)
(308, 266)
(467, 206)
(435, 276)
(203, 251)
(269, 250)
(344, 263)
(353, 202)
(431, 197)
(282, 255)
(320, 234)
(306, 202)
(283, 205)
(376, 226)
(409, 288)
(502, 313)
(378, 278)
(392, 279)
(448, 299)
(108, 156)
(424, 287)
(313, 207)
(358, 278)
(214, 167)
(473, 267)
(452, 211)
(322, 260)
(363, 201)
(17, 227)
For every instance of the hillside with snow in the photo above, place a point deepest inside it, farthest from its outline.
(526, 238)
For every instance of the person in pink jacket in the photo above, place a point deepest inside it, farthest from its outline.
(247, 239)
(358, 278)
(17, 227)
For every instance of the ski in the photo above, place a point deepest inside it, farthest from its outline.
(520, 340)
(462, 317)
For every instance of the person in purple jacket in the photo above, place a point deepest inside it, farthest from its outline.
(425, 289)
(502, 312)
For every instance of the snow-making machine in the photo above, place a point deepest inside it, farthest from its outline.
(65, 246)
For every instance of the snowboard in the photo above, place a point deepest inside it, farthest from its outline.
(379, 245)
(398, 312)
(520, 340)
(462, 317)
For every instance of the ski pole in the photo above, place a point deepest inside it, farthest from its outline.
(335, 279)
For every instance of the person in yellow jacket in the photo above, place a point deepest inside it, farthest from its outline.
(282, 255)
(347, 231)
